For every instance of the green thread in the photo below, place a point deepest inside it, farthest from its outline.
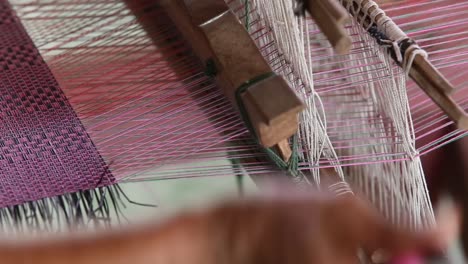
(210, 68)
(239, 176)
(293, 165)
(247, 26)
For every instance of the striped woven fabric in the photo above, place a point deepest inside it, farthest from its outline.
(44, 149)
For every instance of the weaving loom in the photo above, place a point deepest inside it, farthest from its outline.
(96, 93)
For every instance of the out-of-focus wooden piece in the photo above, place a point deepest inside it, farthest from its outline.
(330, 17)
(444, 101)
(336, 10)
(331, 181)
(328, 176)
(430, 73)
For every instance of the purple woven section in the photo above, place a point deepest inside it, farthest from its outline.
(44, 149)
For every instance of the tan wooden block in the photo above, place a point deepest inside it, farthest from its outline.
(237, 55)
(444, 101)
(274, 99)
(335, 32)
(270, 135)
(339, 14)
(429, 72)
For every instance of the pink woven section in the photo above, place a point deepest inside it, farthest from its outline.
(44, 149)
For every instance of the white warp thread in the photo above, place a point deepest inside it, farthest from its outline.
(291, 36)
(397, 189)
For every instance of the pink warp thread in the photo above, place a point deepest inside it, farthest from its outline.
(44, 149)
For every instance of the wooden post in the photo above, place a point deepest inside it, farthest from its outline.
(330, 16)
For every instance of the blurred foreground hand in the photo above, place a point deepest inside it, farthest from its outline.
(296, 229)
(321, 229)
